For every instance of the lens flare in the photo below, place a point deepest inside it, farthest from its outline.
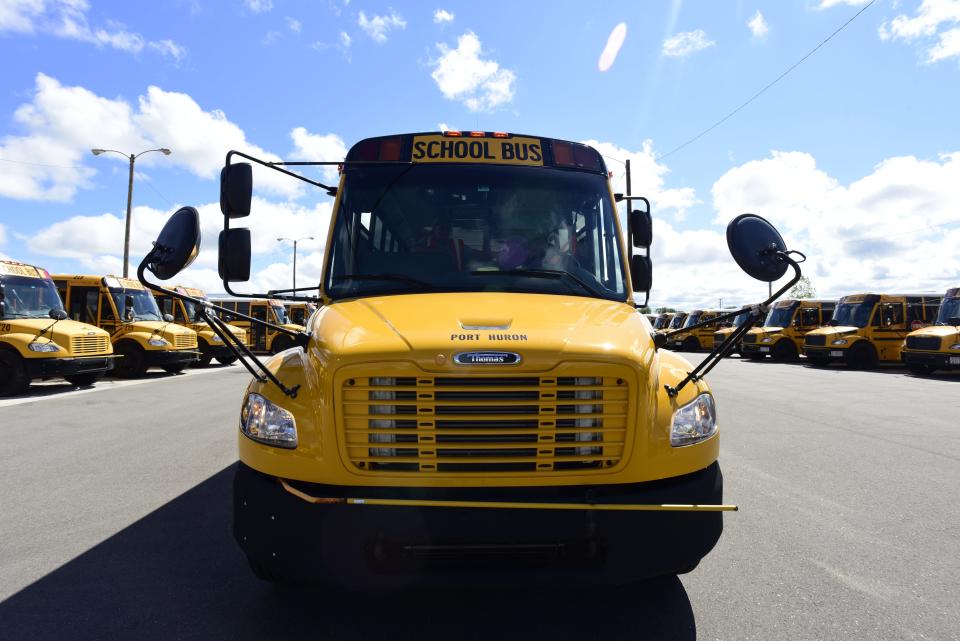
(614, 42)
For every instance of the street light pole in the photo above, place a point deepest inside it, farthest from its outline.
(295, 241)
(126, 234)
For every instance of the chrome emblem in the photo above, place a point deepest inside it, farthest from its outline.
(486, 358)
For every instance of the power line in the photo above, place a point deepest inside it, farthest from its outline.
(770, 84)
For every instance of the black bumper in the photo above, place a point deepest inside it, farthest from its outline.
(823, 354)
(161, 357)
(381, 546)
(753, 349)
(44, 368)
(936, 360)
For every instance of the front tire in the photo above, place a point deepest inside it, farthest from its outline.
(175, 368)
(691, 344)
(861, 355)
(281, 343)
(132, 363)
(784, 351)
(13, 374)
(227, 360)
(84, 380)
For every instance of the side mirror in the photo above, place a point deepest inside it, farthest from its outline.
(641, 228)
(234, 260)
(755, 244)
(58, 314)
(641, 273)
(168, 318)
(236, 190)
(128, 313)
(177, 245)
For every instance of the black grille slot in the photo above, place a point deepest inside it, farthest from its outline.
(815, 340)
(929, 343)
(450, 381)
(750, 338)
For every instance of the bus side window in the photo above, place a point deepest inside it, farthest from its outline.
(826, 315)
(178, 314)
(243, 308)
(892, 314)
(106, 309)
(230, 306)
(83, 304)
(166, 305)
(809, 317)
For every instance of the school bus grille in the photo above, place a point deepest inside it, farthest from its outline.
(185, 341)
(930, 343)
(750, 338)
(89, 344)
(815, 340)
(475, 424)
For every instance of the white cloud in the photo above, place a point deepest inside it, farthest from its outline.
(259, 6)
(345, 39)
(461, 74)
(685, 43)
(442, 126)
(441, 16)
(377, 27)
(935, 23)
(3, 234)
(329, 147)
(757, 25)
(294, 25)
(612, 48)
(68, 19)
(827, 4)
(63, 123)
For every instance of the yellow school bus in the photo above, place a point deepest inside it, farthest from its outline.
(677, 321)
(38, 340)
(728, 328)
(929, 349)
(478, 390)
(697, 339)
(187, 314)
(298, 313)
(663, 321)
(262, 340)
(781, 336)
(140, 334)
(869, 328)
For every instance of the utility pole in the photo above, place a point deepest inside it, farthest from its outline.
(295, 241)
(126, 234)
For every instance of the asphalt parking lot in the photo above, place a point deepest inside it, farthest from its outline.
(116, 520)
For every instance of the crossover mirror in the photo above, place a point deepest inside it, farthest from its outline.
(177, 245)
(236, 190)
(58, 314)
(168, 318)
(234, 260)
(128, 312)
(756, 246)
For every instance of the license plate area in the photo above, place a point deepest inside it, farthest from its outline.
(764, 349)
(836, 352)
(955, 360)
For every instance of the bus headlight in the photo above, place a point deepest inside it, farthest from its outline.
(766, 340)
(839, 341)
(955, 346)
(43, 347)
(265, 422)
(694, 422)
(157, 342)
(216, 339)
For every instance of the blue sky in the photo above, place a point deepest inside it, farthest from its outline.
(855, 154)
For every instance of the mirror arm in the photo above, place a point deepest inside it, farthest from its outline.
(719, 352)
(279, 294)
(228, 338)
(332, 191)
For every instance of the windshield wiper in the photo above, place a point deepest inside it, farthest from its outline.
(387, 277)
(543, 273)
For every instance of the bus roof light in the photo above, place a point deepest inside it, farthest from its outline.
(452, 133)
(501, 134)
(477, 134)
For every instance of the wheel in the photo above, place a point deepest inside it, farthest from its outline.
(784, 351)
(690, 344)
(175, 368)
(131, 364)
(281, 343)
(920, 369)
(84, 380)
(817, 362)
(13, 375)
(861, 356)
(227, 360)
(205, 355)
(688, 569)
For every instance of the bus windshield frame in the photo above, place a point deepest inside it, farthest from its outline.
(144, 304)
(692, 319)
(853, 314)
(949, 309)
(781, 316)
(475, 228)
(21, 292)
(677, 321)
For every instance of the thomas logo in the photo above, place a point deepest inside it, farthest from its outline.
(486, 358)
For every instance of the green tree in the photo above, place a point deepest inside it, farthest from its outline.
(803, 289)
(665, 310)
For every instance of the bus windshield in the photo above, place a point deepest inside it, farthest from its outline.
(192, 311)
(280, 314)
(852, 314)
(780, 316)
(430, 228)
(949, 312)
(26, 297)
(692, 319)
(144, 305)
(677, 321)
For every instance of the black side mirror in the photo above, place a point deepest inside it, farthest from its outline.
(128, 313)
(168, 318)
(57, 314)
(641, 228)
(641, 273)
(953, 320)
(177, 245)
(233, 263)
(236, 190)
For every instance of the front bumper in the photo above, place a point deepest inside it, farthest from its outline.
(44, 368)
(388, 546)
(833, 355)
(936, 360)
(161, 357)
(755, 349)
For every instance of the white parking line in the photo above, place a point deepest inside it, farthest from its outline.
(56, 389)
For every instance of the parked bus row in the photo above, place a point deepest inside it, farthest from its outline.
(81, 327)
(860, 330)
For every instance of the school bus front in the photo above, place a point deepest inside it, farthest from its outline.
(260, 338)
(187, 313)
(478, 342)
(37, 340)
(867, 329)
(700, 338)
(724, 333)
(934, 348)
(141, 337)
(782, 333)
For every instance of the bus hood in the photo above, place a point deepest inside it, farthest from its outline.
(839, 330)
(437, 326)
(940, 331)
(60, 333)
